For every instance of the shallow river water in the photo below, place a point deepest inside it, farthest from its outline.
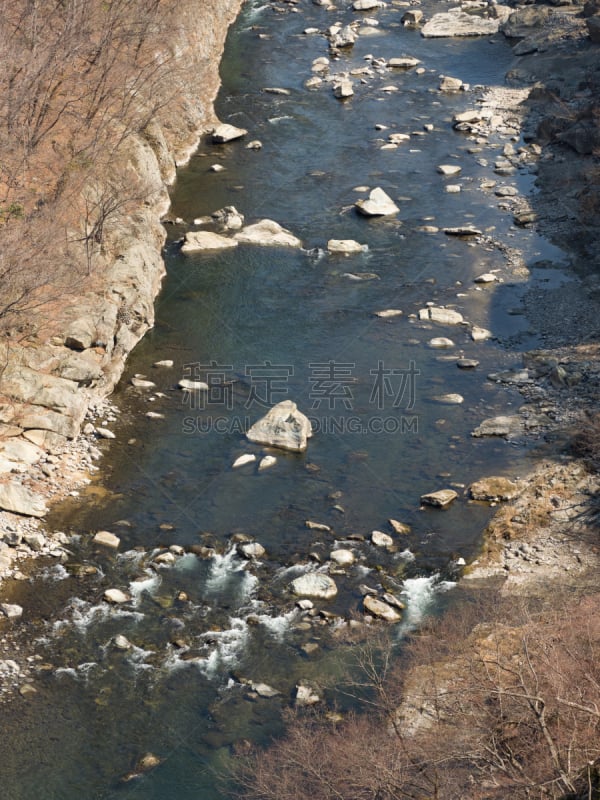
(263, 325)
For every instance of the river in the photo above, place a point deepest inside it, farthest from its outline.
(265, 325)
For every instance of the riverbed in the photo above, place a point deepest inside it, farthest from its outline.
(263, 325)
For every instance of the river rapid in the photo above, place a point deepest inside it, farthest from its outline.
(170, 671)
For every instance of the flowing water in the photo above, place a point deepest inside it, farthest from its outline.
(263, 325)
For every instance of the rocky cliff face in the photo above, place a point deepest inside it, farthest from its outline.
(77, 353)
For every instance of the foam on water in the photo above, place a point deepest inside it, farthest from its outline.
(292, 571)
(229, 572)
(227, 647)
(137, 655)
(254, 11)
(278, 626)
(82, 615)
(187, 561)
(419, 596)
(82, 672)
(149, 585)
(55, 573)
(406, 555)
(133, 556)
(230, 643)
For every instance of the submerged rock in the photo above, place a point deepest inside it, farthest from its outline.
(498, 426)
(345, 246)
(284, 427)
(264, 690)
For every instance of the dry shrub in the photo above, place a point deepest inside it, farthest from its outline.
(510, 708)
(80, 77)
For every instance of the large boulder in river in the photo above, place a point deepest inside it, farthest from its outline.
(283, 426)
(378, 204)
(227, 133)
(459, 23)
(314, 584)
(267, 233)
(206, 240)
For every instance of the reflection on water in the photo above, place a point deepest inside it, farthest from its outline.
(167, 670)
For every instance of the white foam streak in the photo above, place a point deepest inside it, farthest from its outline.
(227, 568)
(149, 585)
(419, 595)
(278, 626)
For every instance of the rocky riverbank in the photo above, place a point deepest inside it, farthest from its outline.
(58, 371)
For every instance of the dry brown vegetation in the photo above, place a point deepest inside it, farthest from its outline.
(79, 78)
(505, 708)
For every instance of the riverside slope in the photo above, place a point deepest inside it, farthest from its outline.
(53, 378)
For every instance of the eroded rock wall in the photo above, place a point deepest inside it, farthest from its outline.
(75, 356)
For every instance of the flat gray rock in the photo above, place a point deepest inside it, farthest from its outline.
(21, 500)
(439, 499)
(498, 426)
(459, 23)
(227, 133)
(445, 316)
(206, 240)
